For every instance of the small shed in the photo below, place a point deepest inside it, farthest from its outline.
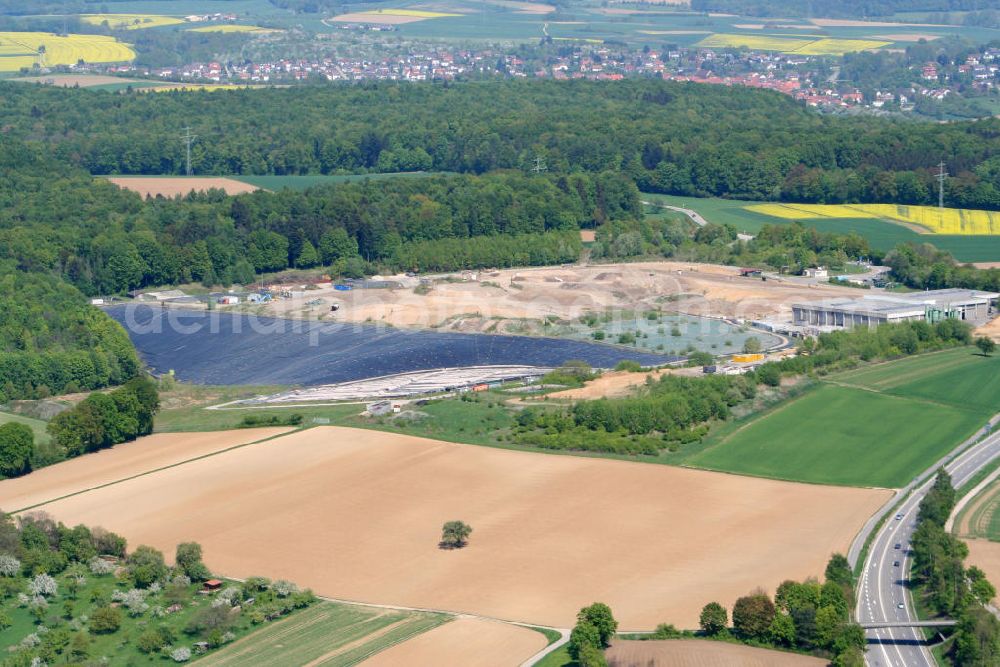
(816, 272)
(213, 585)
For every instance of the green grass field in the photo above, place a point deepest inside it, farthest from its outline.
(961, 378)
(310, 180)
(328, 634)
(842, 435)
(37, 426)
(904, 415)
(881, 235)
(558, 658)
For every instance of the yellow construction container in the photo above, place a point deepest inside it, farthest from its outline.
(747, 358)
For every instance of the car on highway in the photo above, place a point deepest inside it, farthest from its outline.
(900, 606)
(895, 563)
(899, 517)
(898, 546)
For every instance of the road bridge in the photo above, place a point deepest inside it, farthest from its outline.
(871, 625)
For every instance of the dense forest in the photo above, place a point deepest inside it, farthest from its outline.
(52, 341)
(108, 241)
(665, 136)
(836, 8)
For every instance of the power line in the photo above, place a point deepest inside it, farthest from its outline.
(942, 174)
(188, 138)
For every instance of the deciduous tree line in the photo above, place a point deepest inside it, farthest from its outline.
(807, 616)
(947, 586)
(106, 241)
(105, 419)
(666, 136)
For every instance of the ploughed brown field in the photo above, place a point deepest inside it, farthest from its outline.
(985, 555)
(697, 653)
(470, 642)
(182, 185)
(357, 514)
(119, 462)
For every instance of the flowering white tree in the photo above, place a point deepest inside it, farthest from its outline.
(43, 584)
(283, 588)
(135, 602)
(9, 566)
(227, 597)
(182, 654)
(101, 567)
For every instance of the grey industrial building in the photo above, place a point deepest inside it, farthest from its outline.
(974, 306)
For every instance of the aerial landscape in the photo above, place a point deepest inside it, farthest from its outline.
(569, 333)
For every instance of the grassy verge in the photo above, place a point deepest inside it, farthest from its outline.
(37, 426)
(558, 658)
(975, 480)
(551, 635)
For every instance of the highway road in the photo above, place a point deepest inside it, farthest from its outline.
(882, 594)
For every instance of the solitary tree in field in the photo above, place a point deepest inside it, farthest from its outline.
(986, 345)
(455, 534)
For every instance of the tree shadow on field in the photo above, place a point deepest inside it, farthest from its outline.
(451, 546)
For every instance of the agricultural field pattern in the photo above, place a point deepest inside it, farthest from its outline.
(971, 236)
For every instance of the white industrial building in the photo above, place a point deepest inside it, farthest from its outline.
(974, 306)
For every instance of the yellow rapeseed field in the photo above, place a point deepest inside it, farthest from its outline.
(838, 47)
(948, 221)
(229, 27)
(131, 21)
(791, 44)
(760, 42)
(22, 49)
(187, 87)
